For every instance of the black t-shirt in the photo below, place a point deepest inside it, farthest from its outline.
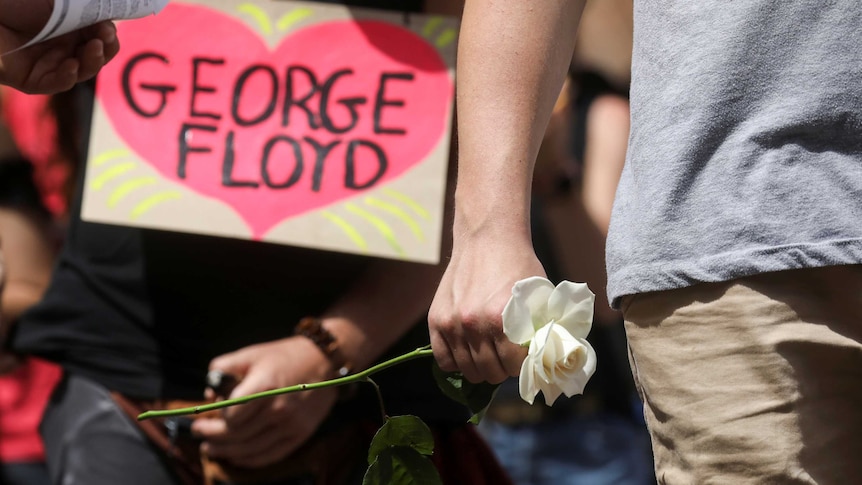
(144, 311)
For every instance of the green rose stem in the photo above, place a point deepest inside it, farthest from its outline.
(361, 376)
(379, 398)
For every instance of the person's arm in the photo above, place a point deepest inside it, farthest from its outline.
(382, 306)
(56, 64)
(512, 60)
(26, 270)
(28, 256)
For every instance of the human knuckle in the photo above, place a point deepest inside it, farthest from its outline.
(472, 320)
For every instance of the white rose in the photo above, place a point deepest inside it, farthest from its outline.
(555, 322)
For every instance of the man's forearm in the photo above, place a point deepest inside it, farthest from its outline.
(382, 306)
(512, 60)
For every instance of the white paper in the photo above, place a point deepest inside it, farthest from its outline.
(69, 15)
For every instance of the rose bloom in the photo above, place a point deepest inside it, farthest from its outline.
(554, 321)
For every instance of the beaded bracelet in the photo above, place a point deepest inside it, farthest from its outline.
(312, 329)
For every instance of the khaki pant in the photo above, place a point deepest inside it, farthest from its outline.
(757, 380)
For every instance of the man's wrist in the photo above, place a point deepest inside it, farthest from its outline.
(472, 226)
(312, 328)
(477, 213)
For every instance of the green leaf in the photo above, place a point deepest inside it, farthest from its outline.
(404, 431)
(401, 465)
(477, 397)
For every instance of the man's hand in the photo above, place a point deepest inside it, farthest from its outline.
(264, 431)
(56, 64)
(465, 320)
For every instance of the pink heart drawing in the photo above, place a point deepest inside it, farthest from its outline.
(336, 108)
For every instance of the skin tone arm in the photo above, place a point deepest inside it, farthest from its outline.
(607, 139)
(27, 260)
(512, 61)
(54, 65)
(384, 304)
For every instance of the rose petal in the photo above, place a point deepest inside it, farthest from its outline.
(547, 348)
(542, 350)
(526, 383)
(563, 354)
(550, 391)
(527, 305)
(571, 305)
(574, 383)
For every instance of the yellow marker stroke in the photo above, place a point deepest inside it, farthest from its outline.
(258, 15)
(378, 224)
(145, 205)
(431, 26)
(405, 199)
(397, 212)
(111, 174)
(287, 20)
(128, 187)
(446, 38)
(349, 230)
(109, 155)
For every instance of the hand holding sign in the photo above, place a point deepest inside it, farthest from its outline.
(54, 65)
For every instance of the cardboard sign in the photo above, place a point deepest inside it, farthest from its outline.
(298, 123)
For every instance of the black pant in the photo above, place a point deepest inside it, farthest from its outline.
(23, 474)
(90, 441)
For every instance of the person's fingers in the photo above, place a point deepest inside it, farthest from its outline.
(92, 57)
(222, 431)
(511, 356)
(463, 355)
(63, 79)
(53, 71)
(487, 361)
(467, 346)
(442, 351)
(276, 412)
(274, 443)
(210, 428)
(106, 31)
(233, 367)
(240, 416)
(108, 35)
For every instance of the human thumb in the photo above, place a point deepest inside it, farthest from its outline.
(226, 371)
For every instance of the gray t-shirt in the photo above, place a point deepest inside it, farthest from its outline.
(745, 153)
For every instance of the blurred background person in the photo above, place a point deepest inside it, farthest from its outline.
(27, 244)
